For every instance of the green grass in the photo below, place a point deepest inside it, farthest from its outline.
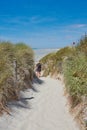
(75, 73)
(72, 63)
(53, 62)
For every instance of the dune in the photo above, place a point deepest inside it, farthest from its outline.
(42, 108)
(39, 53)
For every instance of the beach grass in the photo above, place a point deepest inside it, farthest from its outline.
(71, 63)
(16, 70)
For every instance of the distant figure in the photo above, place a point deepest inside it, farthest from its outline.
(38, 70)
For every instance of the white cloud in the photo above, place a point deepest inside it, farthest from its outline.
(78, 25)
(38, 19)
(27, 20)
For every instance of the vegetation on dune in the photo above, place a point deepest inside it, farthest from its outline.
(82, 45)
(53, 61)
(16, 70)
(25, 53)
(75, 73)
(71, 62)
(17, 65)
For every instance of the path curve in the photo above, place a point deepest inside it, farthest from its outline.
(48, 110)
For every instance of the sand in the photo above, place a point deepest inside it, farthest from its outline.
(43, 108)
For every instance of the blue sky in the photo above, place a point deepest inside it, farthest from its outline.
(43, 23)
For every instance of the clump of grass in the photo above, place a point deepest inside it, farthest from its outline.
(23, 54)
(53, 62)
(75, 73)
(72, 63)
(82, 45)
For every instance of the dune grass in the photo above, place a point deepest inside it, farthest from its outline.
(75, 74)
(24, 57)
(53, 61)
(72, 63)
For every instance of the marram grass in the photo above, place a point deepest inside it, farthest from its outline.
(72, 63)
(24, 57)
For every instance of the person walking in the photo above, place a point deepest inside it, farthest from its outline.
(38, 69)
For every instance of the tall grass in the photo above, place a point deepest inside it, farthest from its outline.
(53, 62)
(72, 63)
(23, 55)
(75, 73)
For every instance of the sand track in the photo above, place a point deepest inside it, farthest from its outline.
(45, 110)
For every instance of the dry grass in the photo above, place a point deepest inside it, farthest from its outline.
(9, 87)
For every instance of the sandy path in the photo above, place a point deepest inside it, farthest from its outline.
(47, 110)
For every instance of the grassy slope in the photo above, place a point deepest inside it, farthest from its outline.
(9, 87)
(72, 63)
(53, 61)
